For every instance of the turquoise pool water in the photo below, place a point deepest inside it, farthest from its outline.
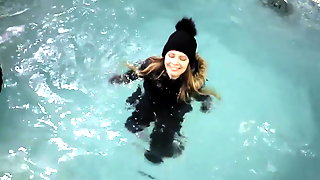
(60, 119)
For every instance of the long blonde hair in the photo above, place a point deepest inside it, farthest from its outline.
(192, 83)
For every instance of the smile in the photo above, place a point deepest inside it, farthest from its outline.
(174, 68)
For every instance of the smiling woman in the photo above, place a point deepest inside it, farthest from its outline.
(170, 83)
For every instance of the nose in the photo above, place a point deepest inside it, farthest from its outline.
(175, 60)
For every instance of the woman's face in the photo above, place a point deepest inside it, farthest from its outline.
(176, 63)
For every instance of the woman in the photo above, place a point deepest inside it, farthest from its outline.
(170, 83)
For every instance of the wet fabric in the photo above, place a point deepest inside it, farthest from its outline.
(157, 101)
(159, 104)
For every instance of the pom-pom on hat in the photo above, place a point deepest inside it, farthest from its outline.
(183, 40)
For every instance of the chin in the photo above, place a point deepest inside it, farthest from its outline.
(174, 76)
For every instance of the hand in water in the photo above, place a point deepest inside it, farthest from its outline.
(206, 105)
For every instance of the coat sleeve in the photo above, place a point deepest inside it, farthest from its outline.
(130, 75)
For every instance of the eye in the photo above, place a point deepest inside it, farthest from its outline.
(183, 58)
(171, 55)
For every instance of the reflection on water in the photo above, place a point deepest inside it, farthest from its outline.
(60, 119)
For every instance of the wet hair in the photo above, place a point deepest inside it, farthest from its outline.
(193, 83)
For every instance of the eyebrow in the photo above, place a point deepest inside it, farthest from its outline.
(173, 52)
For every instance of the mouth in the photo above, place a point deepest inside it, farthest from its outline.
(174, 68)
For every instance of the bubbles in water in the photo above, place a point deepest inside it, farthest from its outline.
(306, 151)
(130, 10)
(85, 133)
(63, 30)
(112, 135)
(62, 146)
(6, 176)
(265, 128)
(246, 126)
(49, 171)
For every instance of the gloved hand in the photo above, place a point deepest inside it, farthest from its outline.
(118, 79)
(206, 105)
(124, 78)
(115, 79)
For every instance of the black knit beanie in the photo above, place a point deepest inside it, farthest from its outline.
(183, 40)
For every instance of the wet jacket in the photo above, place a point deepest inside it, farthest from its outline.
(158, 102)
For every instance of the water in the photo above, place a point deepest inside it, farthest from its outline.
(60, 119)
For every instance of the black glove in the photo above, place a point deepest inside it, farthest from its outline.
(206, 105)
(117, 79)
(124, 78)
